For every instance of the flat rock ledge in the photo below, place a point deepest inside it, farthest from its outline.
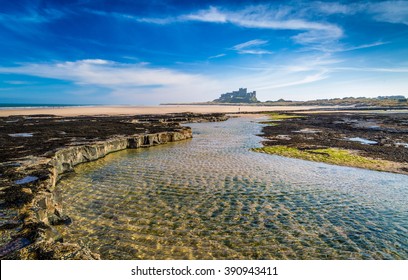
(30, 206)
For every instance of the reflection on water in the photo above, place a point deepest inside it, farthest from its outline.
(212, 198)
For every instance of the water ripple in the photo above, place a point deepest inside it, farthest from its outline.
(211, 198)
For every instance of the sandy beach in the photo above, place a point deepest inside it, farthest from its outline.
(137, 110)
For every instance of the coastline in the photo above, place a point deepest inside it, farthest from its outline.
(141, 110)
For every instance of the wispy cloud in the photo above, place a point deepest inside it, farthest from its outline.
(126, 80)
(385, 11)
(364, 46)
(274, 17)
(268, 17)
(217, 56)
(251, 47)
(335, 48)
(285, 73)
(34, 16)
(256, 16)
(210, 15)
(29, 22)
(123, 16)
(106, 73)
(331, 8)
(265, 82)
(130, 81)
(251, 43)
(255, 52)
(390, 11)
(15, 82)
(260, 16)
(373, 69)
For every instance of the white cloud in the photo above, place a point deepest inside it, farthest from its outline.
(217, 56)
(336, 48)
(129, 80)
(29, 21)
(264, 17)
(316, 37)
(122, 16)
(390, 11)
(154, 20)
(254, 52)
(145, 84)
(136, 83)
(247, 47)
(14, 82)
(33, 16)
(330, 8)
(373, 69)
(364, 46)
(210, 15)
(251, 43)
(385, 11)
(276, 81)
(256, 16)
(106, 73)
(285, 74)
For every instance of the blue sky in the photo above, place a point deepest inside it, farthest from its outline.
(149, 52)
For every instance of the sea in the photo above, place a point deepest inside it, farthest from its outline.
(39, 105)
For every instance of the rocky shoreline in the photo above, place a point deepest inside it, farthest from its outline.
(38, 150)
(371, 140)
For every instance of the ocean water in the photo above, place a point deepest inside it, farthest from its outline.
(213, 198)
(4, 106)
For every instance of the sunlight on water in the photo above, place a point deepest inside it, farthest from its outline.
(212, 198)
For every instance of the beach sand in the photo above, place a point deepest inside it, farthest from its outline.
(137, 110)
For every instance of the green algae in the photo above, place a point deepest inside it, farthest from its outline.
(275, 118)
(270, 123)
(327, 155)
(278, 116)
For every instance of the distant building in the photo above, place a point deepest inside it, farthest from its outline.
(240, 96)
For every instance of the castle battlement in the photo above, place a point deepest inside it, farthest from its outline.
(240, 96)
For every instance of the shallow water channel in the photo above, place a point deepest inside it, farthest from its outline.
(212, 198)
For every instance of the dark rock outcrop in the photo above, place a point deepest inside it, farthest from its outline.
(372, 135)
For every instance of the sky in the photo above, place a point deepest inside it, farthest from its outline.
(147, 52)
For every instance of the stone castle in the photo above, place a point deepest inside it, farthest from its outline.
(240, 96)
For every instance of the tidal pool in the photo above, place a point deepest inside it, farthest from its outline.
(212, 198)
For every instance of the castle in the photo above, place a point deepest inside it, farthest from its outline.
(240, 96)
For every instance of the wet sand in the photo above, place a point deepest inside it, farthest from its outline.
(136, 110)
